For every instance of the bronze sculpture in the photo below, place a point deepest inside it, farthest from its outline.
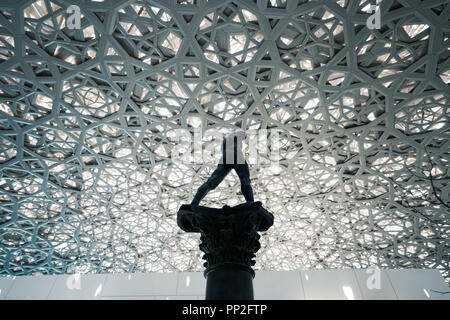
(229, 236)
(232, 158)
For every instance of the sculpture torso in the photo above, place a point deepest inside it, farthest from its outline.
(232, 148)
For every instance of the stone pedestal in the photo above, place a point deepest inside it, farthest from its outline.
(230, 240)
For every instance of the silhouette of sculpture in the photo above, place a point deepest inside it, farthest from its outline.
(229, 236)
(232, 158)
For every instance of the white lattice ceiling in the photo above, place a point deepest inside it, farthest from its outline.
(86, 179)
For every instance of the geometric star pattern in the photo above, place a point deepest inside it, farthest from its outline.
(87, 183)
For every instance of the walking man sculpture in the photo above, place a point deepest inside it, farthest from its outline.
(232, 158)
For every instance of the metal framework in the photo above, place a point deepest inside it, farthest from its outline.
(86, 179)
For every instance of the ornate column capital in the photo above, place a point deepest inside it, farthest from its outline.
(229, 236)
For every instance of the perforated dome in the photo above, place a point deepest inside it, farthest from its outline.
(87, 183)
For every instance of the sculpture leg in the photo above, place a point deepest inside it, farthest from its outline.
(216, 178)
(243, 172)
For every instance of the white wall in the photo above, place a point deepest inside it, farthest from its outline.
(289, 285)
